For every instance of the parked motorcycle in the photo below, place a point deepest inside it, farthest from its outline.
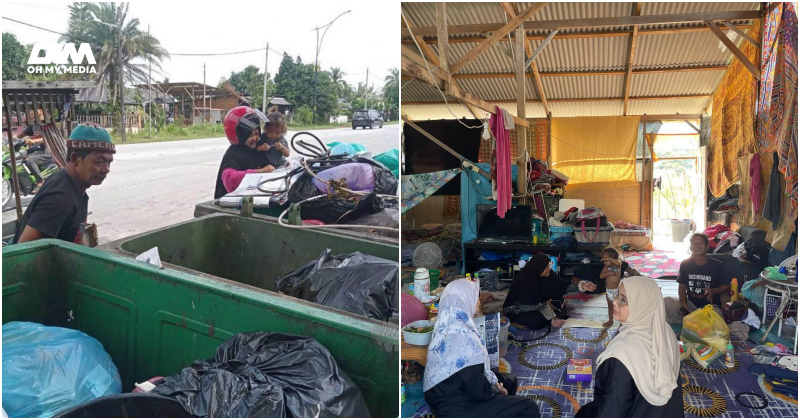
(26, 180)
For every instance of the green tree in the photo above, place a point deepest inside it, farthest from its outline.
(251, 81)
(336, 76)
(138, 47)
(14, 58)
(295, 81)
(391, 92)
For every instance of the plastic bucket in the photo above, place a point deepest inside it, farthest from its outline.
(128, 406)
(680, 229)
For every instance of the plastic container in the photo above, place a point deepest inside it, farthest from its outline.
(422, 283)
(138, 405)
(434, 276)
(504, 324)
(734, 290)
(730, 360)
(559, 231)
(418, 339)
(680, 229)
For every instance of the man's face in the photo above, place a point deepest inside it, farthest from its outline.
(93, 169)
(698, 246)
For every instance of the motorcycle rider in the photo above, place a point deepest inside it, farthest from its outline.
(37, 154)
(60, 208)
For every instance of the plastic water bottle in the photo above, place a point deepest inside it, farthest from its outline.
(729, 356)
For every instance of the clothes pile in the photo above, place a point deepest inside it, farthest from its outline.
(544, 180)
(619, 224)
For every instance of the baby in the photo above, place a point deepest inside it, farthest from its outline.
(612, 274)
(272, 141)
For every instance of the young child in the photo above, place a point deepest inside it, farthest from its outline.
(272, 141)
(612, 274)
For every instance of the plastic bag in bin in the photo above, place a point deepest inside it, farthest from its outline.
(47, 370)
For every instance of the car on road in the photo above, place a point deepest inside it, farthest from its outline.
(367, 118)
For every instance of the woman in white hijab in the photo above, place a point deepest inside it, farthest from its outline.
(637, 374)
(458, 382)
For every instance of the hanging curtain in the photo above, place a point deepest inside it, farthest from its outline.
(416, 188)
(732, 122)
(595, 152)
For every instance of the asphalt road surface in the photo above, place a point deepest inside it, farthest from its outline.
(154, 185)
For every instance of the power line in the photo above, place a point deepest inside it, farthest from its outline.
(216, 54)
(37, 27)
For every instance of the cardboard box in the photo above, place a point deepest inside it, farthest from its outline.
(579, 370)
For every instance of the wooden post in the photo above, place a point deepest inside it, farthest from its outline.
(12, 155)
(519, 53)
(443, 37)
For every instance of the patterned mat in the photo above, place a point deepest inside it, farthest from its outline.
(569, 396)
(655, 263)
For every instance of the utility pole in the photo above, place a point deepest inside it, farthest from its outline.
(264, 95)
(150, 90)
(204, 94)
(316, 59)
(121, 83)
(366, 90)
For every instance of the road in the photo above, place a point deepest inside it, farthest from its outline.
(153, 185)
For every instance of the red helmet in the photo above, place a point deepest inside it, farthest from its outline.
(240, 123)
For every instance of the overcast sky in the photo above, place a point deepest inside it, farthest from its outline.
(367, 37)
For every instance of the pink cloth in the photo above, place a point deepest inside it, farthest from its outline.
(755, 183)
(503, 151)
(231, 178)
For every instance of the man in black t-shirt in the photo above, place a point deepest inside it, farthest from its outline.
(701, 281)
(60, 208)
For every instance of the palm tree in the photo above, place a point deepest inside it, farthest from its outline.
(336, 76)
(391, 91)
(138, 47)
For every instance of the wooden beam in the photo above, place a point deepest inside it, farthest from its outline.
(594, 22)
(519, 63)
(444, 47)
(574, 100)
(426, 49)
(598, 34)
(540, 48)
(637, 10)
(410, 68)
(671, 117)
(736, 51)
(591, 73)
(497, 36)
(511, 11)
(694, 127)
(741, 33)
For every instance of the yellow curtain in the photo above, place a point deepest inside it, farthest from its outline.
(732, 123)
(595, 152)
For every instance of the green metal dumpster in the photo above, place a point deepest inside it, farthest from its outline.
(154, 322)
(243, 249)
(271, 215)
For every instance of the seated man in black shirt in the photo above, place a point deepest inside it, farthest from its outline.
(701, 280)
(60, 208)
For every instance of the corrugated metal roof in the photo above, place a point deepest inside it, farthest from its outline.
(607, 53)
(582, 87)
(667, 106)
(676, 83)
(417, 91)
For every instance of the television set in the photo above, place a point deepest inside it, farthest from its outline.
(517, 224)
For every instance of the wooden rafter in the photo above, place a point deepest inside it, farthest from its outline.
(497, 36)
(589, 73)
(595, 22)
(412, 65)
(741, 33)
(511, 12)
(637, 10)
(736, 51)
(444, 47)
(599, 34)
(426, 49)
(694, 127)
(573, 100)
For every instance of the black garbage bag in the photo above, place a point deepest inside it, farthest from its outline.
(357, 283)
(266, 374)
(331, 210)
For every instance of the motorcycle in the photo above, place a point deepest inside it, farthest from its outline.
(26, 180)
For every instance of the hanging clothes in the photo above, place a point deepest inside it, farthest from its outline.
(503, 152)
(755, 182)
(416, 188)
(772, 207)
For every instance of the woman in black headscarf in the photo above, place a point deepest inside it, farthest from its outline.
(535, 298)
(242, 127)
